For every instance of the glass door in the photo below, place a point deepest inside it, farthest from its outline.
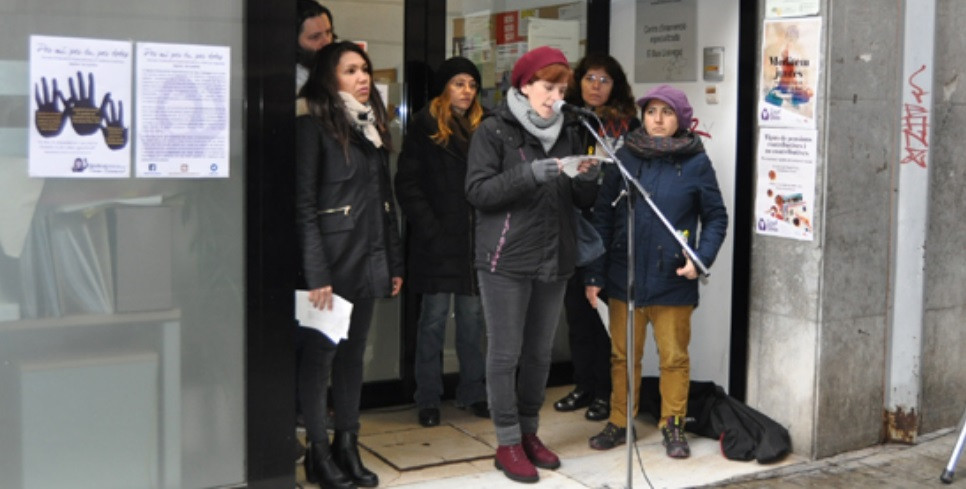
(122, 268)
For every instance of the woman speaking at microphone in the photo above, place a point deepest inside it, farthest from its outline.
(525, 247)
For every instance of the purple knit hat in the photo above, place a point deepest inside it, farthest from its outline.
(675, 98)
(533, 61)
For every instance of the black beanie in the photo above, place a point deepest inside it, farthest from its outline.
(450, 68)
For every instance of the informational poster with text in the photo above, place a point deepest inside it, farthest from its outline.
(182, 121)
(785, 192)
(789, 72)
(561, 34)
(79, 115)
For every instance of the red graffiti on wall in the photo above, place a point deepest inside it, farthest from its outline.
(694, 128)
(916, 125)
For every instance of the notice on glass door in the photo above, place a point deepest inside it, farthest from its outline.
(78, 125)
(182, 121)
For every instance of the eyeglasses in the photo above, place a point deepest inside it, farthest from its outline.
(603, 79)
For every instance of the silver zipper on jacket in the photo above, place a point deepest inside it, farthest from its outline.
(335, 210)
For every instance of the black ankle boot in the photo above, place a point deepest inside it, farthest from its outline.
(321, 469)
(345, 452)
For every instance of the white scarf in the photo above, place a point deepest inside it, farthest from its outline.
(362, 118)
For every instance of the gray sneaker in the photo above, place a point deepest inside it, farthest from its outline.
(675, 442)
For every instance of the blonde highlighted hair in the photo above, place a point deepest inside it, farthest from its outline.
(441, 109)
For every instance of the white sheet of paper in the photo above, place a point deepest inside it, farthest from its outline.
(604, 313)
(569, 164)
(332, 323)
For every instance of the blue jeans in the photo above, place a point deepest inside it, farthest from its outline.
(521, 319)
(469, 349)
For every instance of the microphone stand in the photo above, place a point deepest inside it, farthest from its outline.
(629, 181)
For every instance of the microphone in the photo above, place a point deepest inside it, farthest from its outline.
(561, 106)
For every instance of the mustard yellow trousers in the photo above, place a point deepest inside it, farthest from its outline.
(672, 333)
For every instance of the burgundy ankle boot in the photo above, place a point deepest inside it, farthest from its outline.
(513, 461)
(539, 455)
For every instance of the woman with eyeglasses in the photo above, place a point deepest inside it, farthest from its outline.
(602, 87)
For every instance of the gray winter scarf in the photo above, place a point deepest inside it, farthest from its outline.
(546, 130)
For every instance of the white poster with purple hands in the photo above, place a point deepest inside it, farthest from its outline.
(182, 117)
(78, 125)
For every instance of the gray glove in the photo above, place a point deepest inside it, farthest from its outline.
(545, 169)
(590, 174)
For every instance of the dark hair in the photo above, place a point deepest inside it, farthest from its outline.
(621, 101)
(308, 9)
(321, 92)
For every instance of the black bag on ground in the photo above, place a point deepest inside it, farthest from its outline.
(744, 433)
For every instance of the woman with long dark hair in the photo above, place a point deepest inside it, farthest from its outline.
(350, 246)
(601, 86)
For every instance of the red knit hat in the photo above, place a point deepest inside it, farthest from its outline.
(533, 61)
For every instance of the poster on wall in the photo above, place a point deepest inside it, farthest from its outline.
(79, 114)
(791, 8)
(785, 192)
(182, 121)
(789, 72)
(511, 40)
(666, 41)
(478, 46)
(561, 34)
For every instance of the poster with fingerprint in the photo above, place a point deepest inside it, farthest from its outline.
(785, 192)
(182, 121)
(79, 116)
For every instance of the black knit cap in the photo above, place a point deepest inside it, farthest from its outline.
(450, 68)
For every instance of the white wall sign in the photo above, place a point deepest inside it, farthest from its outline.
(182, 111)
(78, 125)
(561, 34)
(785, 193)
(666, 40)
(791, 8)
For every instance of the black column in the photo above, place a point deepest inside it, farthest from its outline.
(743, 213)
(269, 172)
(598, 26)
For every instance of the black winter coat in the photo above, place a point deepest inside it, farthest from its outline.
(429, 188)
(523, 229)
(345, 214)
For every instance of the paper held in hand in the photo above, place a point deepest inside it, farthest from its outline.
(569, 164)
(333, 323)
